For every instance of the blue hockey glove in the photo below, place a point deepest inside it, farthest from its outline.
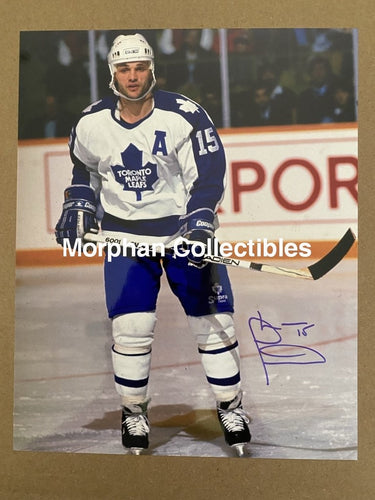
(197, 231)
(197, 246)
(78, 215)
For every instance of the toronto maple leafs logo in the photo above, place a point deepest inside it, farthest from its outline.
(187, 106)
(132, 174)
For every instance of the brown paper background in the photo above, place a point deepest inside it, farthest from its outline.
(45, 475)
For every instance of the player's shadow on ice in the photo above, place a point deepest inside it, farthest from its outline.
(168, 421)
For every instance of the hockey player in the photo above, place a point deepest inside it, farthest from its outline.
(154, 164)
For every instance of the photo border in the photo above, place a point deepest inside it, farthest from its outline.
(57, 475)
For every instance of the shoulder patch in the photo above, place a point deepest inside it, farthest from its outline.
(178, 103)
(187, 106)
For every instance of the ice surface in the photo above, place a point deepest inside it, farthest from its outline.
(65, 399)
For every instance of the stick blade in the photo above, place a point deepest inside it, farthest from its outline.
(329, 261)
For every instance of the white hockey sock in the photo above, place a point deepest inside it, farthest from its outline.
(219, 351)
(131, 373)
(131, 354)
(222, 366)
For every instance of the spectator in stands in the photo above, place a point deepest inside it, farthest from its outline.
(170, 40)
(52, 122)
(211, 101)
(241, 64)
(266, 108)
(315, 104)
(193, 70)
(68, 77)
(161, 74)
(283, 101)
(343, 102)
(241, 75)
(232, 35)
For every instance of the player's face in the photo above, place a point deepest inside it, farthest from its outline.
(133, 79)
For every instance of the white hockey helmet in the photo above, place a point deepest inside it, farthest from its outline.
(130, 48)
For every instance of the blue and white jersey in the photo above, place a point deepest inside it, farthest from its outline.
(150, 173)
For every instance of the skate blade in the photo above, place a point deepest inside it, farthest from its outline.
(136, 451)
(241, 449)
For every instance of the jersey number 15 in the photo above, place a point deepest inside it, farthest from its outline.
(207, 141)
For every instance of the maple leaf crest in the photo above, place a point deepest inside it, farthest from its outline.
(187, 106)
(132, 174)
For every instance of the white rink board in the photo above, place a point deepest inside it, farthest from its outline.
(291, 184)
(281, 183)
(44, 171)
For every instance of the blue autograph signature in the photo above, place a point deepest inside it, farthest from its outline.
(271, 347)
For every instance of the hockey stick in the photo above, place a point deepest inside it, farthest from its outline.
(312, 272)
(319, 268)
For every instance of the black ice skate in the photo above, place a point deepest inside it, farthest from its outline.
(234, 422)
(135, 427)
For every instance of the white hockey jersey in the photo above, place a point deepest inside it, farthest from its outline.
(150, 173)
